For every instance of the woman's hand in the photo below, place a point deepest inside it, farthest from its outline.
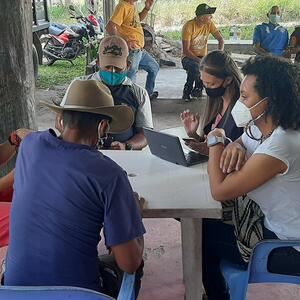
(190, 122)
(200, 147)
(233, 157)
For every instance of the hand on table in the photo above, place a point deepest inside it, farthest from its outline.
(233, 157)
(117, 146)
(141, 202)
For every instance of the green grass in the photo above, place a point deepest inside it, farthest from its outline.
(176, 12)
(60, 72)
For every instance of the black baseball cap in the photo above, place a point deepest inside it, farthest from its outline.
(204, 9)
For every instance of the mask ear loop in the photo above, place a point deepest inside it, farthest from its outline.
(101, 140)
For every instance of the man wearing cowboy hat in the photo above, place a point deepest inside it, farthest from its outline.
(113, 64)
(66, 191)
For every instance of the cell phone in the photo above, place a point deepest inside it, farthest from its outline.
(187, 140)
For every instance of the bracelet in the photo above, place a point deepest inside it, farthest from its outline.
(14, 139)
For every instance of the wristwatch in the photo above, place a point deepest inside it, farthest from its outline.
(128, 146)
(214, 140)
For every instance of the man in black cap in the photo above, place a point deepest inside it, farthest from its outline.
(195, 34)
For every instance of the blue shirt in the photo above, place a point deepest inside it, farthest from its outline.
(273, 39)
(64, 194)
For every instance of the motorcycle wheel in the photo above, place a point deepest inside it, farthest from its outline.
(46, 42)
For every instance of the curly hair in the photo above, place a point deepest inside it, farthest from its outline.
(278, 80)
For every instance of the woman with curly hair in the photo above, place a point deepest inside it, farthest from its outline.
(264, 164)
(221, 79)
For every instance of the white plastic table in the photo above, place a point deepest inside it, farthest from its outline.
(173, 191)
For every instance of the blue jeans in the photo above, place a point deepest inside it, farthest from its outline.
(143, 60)
(193, 75)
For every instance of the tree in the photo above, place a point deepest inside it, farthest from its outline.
(17, 105)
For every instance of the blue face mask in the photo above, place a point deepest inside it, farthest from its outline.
(112, 78)
(274, 19)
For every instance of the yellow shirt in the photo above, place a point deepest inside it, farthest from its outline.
(128, 23)
(198, 36)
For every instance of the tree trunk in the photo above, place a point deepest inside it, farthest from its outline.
(17, 105)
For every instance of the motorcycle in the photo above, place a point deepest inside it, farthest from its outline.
(68, 42)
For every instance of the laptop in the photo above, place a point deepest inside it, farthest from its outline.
(168, 147)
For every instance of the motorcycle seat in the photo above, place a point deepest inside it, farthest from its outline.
(55, 30)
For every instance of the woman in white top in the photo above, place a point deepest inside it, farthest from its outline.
(270, 100)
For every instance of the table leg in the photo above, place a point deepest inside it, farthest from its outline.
(191, 239)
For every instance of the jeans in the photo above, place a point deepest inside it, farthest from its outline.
(193, 75)
(143, 60)
(219, 243)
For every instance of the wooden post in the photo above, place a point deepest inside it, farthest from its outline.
(16, 69)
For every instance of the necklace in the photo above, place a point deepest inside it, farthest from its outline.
(261, 139)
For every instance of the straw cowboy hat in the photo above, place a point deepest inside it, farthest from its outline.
(94, 97)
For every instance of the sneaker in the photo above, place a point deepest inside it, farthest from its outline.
(186, 98)
(153, 96)
(196, 93)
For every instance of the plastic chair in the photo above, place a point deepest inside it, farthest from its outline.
(65, 292)
(257, 272)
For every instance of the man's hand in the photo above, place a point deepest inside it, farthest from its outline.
(233, 157)
(22, 132)
(190, 122)
(141, 202)
(118, 146)
(148, 4)
(132, 45)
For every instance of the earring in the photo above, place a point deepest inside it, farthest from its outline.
(102, 140)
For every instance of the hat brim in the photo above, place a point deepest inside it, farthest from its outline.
(112, 60)
(122, 115)
(208, 11)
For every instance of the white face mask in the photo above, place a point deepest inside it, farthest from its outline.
(241, 113)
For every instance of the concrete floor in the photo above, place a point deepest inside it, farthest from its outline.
(163, 265)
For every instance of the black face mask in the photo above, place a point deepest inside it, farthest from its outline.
(216, 92)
